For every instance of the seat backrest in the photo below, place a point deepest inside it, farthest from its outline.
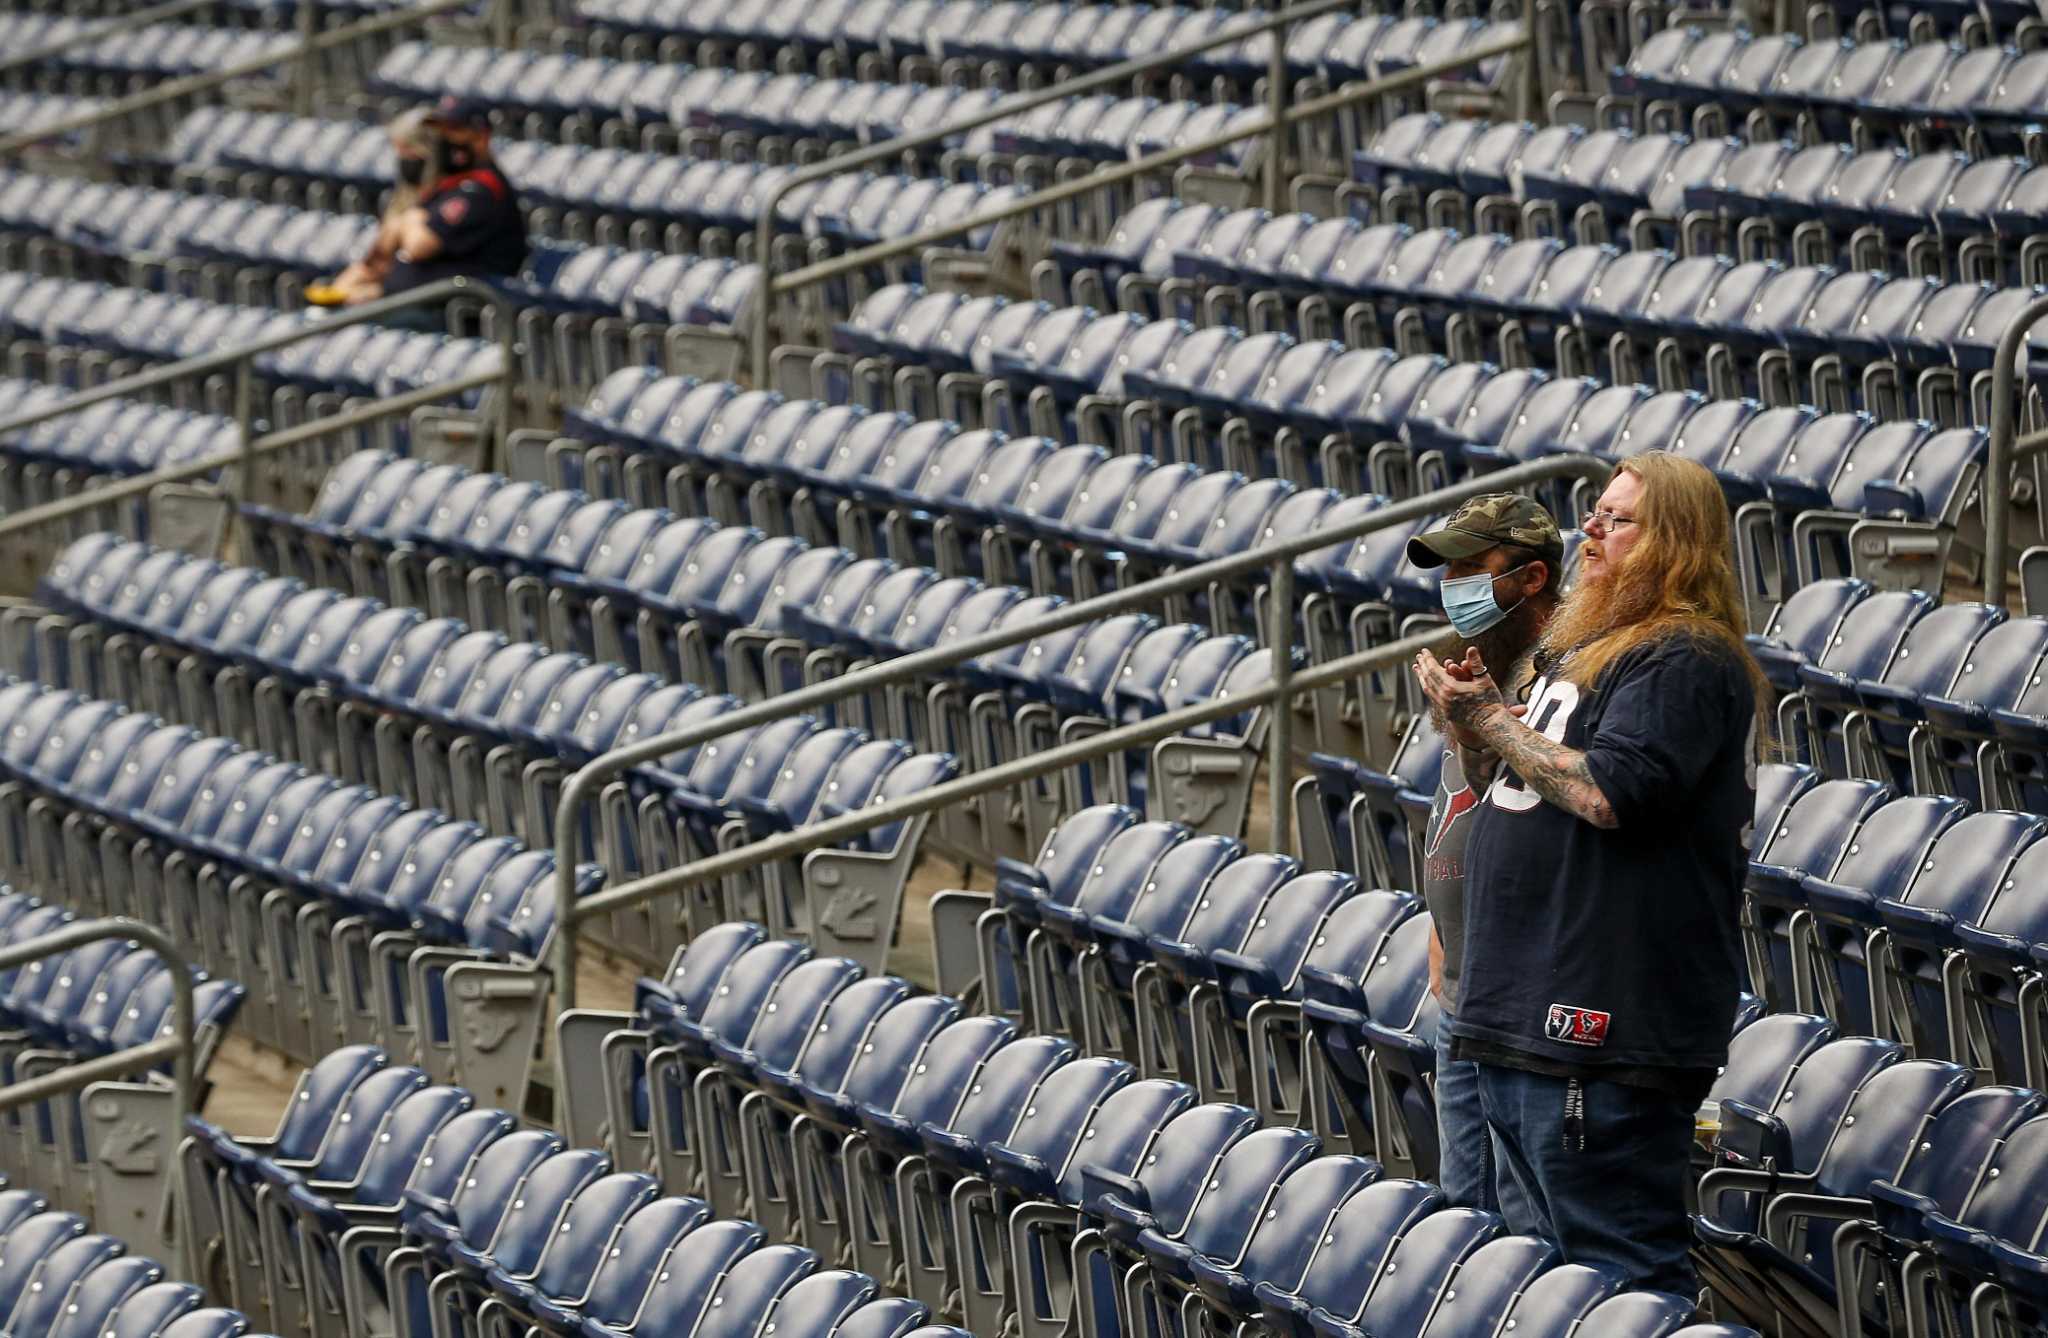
(1636, 1314)
(1870, 634)
(1285, 1236)
(1487, 1283)
(1966, 866)
(1070, 852)
(1892, 842)
(1230, 901)
(1805, 623)
(1812, 1103)
(1945, 1165)
(737, 998)
(1125, 864)
(88, 1306)
(630, 1260)
(1360, 1240)
(1248, 1175)
(2002, 663)
(949, 1063)
(1888, 1114)
(793, 1010)
(1122, 1130)
(891, 1046)
(1556, 1300)
(318, 1097)
(1291, 921)
(581, 1235)
(820, 1302)
(751, 1289)
(691, 1270)
(2010, 1201)
(1762, 1056)
(883, 1317)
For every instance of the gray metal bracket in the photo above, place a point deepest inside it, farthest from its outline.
(494, 1019)
(132, 1132)
(582, 1109)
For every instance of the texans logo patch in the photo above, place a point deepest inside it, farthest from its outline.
(1576, 1026)
(453, 210)
(1457, 806)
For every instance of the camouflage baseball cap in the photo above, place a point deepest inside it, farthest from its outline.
(1487, 521)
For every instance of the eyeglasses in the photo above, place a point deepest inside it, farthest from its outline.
(1597, 523)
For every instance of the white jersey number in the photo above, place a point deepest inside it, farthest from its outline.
(1550, 710)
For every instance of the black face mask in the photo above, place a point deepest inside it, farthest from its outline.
(412, 171)
(455, 158)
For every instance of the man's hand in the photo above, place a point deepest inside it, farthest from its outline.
(1436, 965)
(1463, 690)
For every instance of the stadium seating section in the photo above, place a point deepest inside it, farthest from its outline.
(1171, 1082)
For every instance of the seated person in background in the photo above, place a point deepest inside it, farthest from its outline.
(452, 212)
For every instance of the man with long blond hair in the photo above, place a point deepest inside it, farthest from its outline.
(1604, 872)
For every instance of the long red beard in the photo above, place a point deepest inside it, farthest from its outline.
(1596, 605)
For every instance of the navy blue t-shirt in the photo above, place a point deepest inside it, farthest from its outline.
(1592, 951)
(476, 215)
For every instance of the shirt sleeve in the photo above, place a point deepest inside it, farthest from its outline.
(463, 218)
(1666, 720)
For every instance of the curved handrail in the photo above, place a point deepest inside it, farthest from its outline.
(1997, 487)
(178, 1047)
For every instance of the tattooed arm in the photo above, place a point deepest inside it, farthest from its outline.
(1477, 764)
(1471, 701)
(1558, 773)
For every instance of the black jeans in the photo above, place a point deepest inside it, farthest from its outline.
(1602, 1169)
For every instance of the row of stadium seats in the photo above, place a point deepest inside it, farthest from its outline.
(53, 317)
(724, 108)
(89, 1002)
(1936, 698)
(383, 1198)
(706, 1027)
(1913, 916)
(60, 1279)
(466, 723)
(152, 51)
(237, 249)
(116, 436)
(1383, 269)
(1642, 186)
(272, 875)
(1000, 38)
(452, 1211)
(677, 198)
(693, 601)
(1995, 89)
(21, 112)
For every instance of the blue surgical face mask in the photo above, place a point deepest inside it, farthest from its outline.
(1469, 603)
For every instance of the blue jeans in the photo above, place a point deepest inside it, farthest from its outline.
(1607, 1183)
(1468, 1160)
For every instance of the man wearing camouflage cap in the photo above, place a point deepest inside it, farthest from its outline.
(1502, 559)
(1603, 960)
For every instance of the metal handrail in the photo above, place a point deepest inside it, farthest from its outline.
(929, 800)
(1277, 558)
(173, 89)
(178, 1047)
(1277, 118)
(1997, 488)
(102, 29)
(240, 360)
